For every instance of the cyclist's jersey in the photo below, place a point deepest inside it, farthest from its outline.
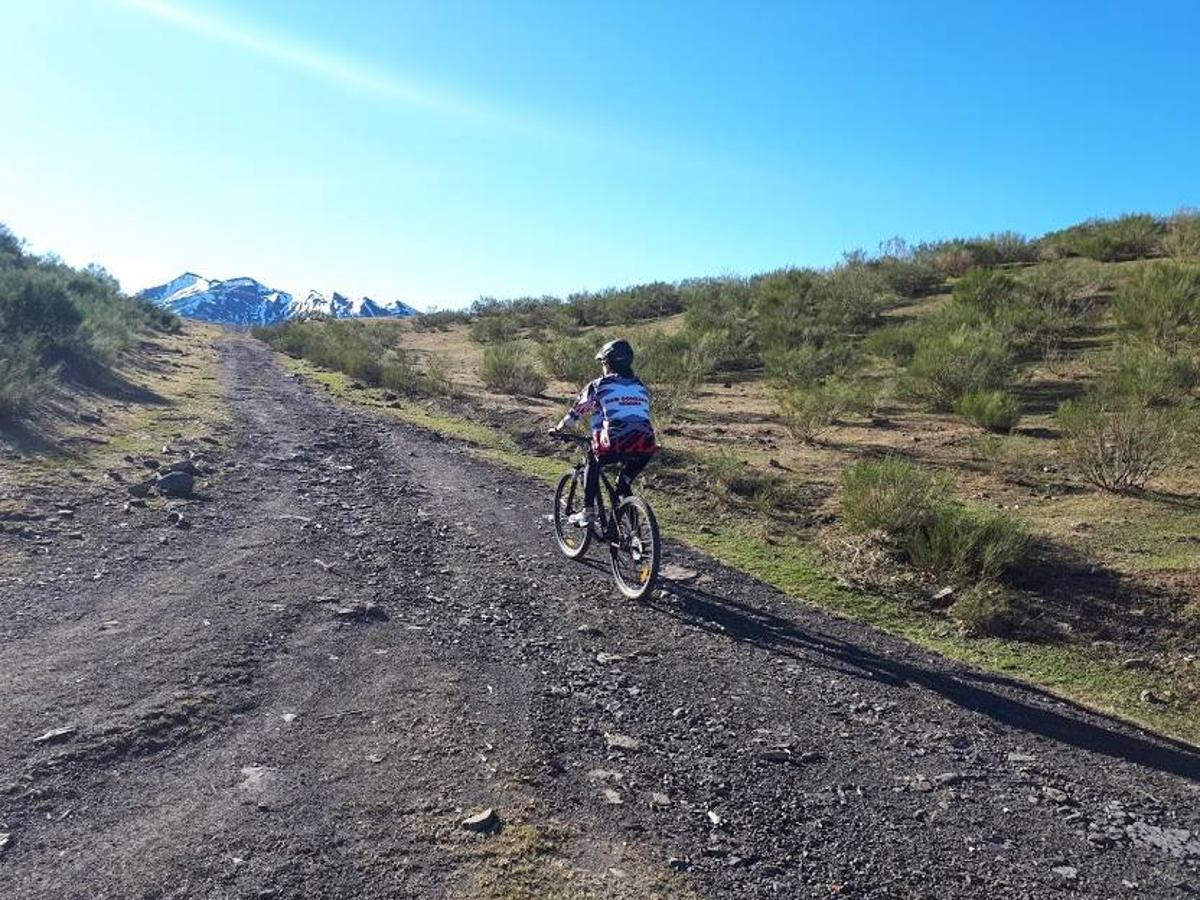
(620, 415)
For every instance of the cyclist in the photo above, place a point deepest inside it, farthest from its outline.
(619, 406)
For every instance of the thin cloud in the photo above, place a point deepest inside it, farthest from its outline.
(330, 67)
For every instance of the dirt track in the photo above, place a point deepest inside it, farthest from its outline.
(366, 635)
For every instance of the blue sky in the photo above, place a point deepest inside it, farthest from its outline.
(437, 152)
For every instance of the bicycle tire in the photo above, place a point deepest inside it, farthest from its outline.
(568, 499)
(645, 549)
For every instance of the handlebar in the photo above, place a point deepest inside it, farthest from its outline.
(570, 437)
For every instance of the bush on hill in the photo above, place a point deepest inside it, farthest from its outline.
(1117, 445)
(948, 365)
(507, 368)
(1161, 303)
(53, 317)
(995, 411)
(1181, 238)
(1149, 376)
(913, 510)
(570, 359)
(809, 411)
(1134, 236)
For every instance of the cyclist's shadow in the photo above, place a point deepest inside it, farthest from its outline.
(1009, 702)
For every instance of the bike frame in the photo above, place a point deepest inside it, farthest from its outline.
(602, 508)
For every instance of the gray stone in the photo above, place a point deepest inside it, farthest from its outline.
(676, 572)
(1054, 795)
(616, 741)
(781, 756)
(140, 489)
(487, 820)
(175, 484)
(56, 735)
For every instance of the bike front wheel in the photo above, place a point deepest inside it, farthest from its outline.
(568, 499)
(636, 549)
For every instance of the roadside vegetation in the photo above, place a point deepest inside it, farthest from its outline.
(56, 322)
(996, 434)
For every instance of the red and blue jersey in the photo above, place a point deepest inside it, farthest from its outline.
(619, 408)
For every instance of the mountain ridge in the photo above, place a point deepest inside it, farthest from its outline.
(247, 301)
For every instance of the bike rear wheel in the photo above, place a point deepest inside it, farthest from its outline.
(636, 552)
(568, 499)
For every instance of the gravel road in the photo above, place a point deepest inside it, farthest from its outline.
(366, 636)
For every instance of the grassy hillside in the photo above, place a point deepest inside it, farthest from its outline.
(61, 324)
(89, 379)
(987, 444)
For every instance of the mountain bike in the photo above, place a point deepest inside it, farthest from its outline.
(627, 524)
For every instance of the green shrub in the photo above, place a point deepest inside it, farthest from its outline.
(722, 308)
(439, 319)
(913, 510)
(1134, 236)
(948, 365)
(1117, 445)
(53, 317)
(495, 328)
(1038, 331)
(1161, 303)
(23, 377)
(808, 411)
(619, 306)
(673, 367)
(891, 495)
(437, 379)
(787, 308)
(853, 295)
(1002, 248)
(995, 411)
(897, 343)
(807, 364)
(506, 368)
(987, 610)
(953, 259)
(964, 541)
(1149, 376)
(1181, 239)
(802, 306)
(910, 278)
(1065, 286)
(570, 359)
(396, 372)
(988, 290)
(37, 303)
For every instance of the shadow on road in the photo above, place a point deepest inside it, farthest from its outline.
(975, 691)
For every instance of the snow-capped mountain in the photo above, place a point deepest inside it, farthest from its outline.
(339, 306)
(245, 301)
